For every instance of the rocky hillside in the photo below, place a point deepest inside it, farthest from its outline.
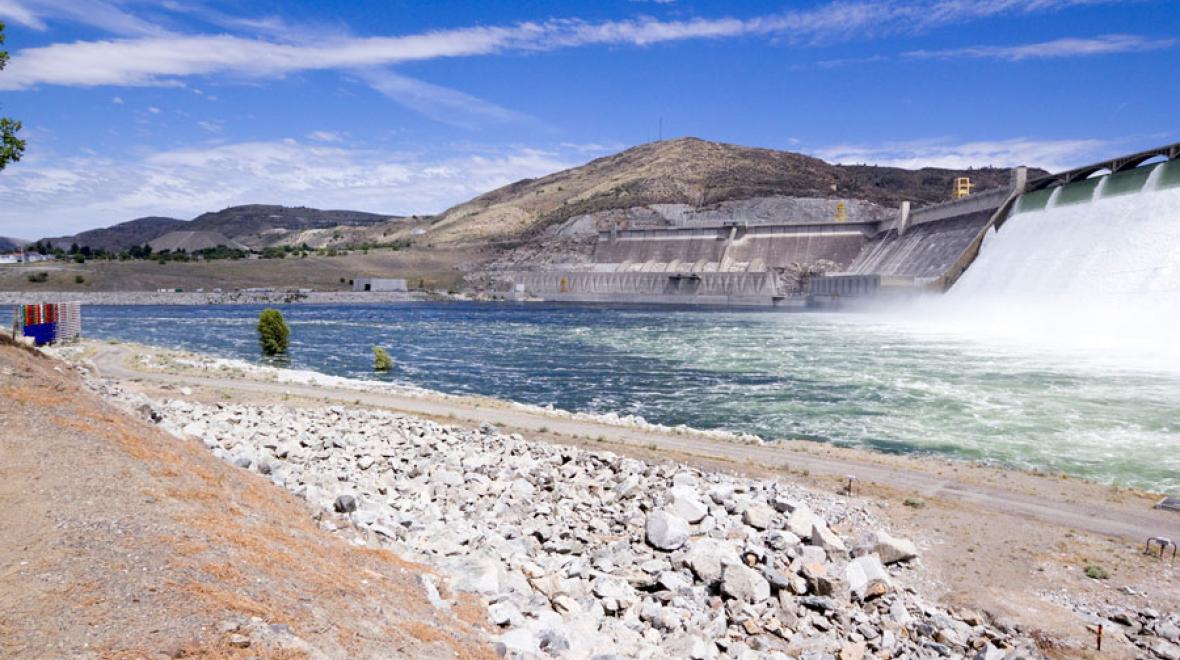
(693, 172)
(120, 236)
(254, 225)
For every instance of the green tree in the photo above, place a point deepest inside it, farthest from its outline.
(11, 147)
(381, 359)
(273, 333)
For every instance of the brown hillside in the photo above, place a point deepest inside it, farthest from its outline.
(687, 171)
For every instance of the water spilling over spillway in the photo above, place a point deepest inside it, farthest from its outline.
(1093, 265)
(1114, 238)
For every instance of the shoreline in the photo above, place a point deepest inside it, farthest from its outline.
(939, 502)
(130, 298)
(183, 358)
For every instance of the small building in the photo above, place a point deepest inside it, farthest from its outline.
(378, 284)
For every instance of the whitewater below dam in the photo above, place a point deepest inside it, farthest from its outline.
(882, 381)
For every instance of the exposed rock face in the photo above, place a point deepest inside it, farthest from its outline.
(580, 554)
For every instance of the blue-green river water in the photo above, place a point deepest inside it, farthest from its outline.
(858, 380)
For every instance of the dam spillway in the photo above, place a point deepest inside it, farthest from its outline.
(1111, 239)
(807, 260)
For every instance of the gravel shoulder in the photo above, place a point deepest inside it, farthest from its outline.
(1012, 544)
(121, 541)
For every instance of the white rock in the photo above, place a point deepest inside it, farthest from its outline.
(758, 515)
(892, 549)
(666, 531)
(520, 641)
(744, 584)
(801, 522)
(867, 577)
(688, 507)
(827, 539)
(707, 558)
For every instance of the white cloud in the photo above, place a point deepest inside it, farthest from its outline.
(153, 109)
(210, 126)
(103, 15)
(1052, 155)
(118, 100)
(325, 136)
(439, 103)
(162, 59)
(1066, 47)
(51, 195)
(11, 10)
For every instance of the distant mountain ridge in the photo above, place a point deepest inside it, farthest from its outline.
(253, 225)
(10, 244)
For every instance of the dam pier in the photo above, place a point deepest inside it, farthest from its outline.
(821, 251)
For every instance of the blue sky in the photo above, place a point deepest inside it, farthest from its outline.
(136, 108)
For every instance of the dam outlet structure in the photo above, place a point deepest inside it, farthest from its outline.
(853, 257)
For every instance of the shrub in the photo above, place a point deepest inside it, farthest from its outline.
(914, 502)
(1097, 572)
(381, 359)
(273, 333)
(38, 277)
(79, 279)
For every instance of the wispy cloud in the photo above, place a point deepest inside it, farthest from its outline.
(13, 11)
(1052, 155)
(106, 16)
(325, 136)
(49, 194)
(153, 60)
(1057, 48)
(439, 103)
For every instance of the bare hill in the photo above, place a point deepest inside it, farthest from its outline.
(254, 225)
(120, 236)
(688, 171)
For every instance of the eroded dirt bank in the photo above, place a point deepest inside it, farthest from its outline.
(121, 541)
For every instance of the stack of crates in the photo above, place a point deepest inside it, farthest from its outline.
(47, 323)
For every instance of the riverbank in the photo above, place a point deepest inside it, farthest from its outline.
(1043, 532)
(122, 542)
(211, 297)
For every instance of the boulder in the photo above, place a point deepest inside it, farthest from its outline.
(707, 558)
(758, 515)
(744, 584)
(867, 578)
(892, 549)
(345, 503)
(801, 522)
(614, 594)
(688, 507)
(827, 539)
(666, 531)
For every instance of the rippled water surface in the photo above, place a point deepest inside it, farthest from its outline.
(853, 380)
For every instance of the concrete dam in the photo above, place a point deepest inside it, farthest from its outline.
(852, 254)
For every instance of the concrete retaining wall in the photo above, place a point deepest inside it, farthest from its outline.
(761, 246)
(925, 251)
(720, 285)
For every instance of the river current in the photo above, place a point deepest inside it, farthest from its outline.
(859, 380)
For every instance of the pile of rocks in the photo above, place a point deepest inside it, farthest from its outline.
(588, 554)
(1150, 630)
